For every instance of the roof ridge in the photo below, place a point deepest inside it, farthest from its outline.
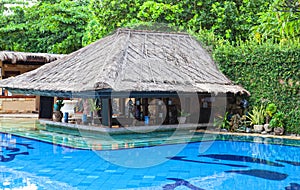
(120, 30)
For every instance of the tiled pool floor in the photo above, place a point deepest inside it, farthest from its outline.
(48, 166)
(229, 162)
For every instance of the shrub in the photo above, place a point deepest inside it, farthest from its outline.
(278, 120)
(269, 71)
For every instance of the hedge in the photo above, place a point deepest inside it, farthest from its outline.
(271, 72)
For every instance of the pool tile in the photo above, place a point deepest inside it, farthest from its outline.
(110, 171)
(45, 170)
(78, 170)
(93, 176)
(160, 178)
(137, 177)
(149, 177)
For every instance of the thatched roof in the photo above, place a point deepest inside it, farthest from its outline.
(130, 60)
(24, 57)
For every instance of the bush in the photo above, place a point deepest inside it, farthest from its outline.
(269, 71)
(278, 120)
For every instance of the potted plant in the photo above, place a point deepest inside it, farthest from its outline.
(94, 108)
(270, 111)
(277, 122)
(57, 114)
(257, 118)
(182, 116)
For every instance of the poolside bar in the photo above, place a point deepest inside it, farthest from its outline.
(137, 77)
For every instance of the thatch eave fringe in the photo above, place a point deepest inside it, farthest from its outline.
(14, 57)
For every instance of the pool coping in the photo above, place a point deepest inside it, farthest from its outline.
(142, 129)
(124, 130)
(250, 134)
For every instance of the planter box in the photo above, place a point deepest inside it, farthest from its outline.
(258, 128)
(181, 120)
(267, 128)
(278, 130)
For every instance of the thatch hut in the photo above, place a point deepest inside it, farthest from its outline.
(132, 64)
(15, 63)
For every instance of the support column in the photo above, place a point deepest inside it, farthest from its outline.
(106, 112)
(187, 107)
(167, 119)
(122, 105)
(145, 103)
(46, 107)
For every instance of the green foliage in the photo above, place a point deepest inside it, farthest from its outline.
(271, 109)
(232, 19)
(293, 121)
(222, 122)
(152, 11)
(62, 26)
(182, 113)
(278, 23)
(278, 120)
(4, 5)
(45, 27)
(269, 71)
(257, 115)
(107, 16)
(93, 105)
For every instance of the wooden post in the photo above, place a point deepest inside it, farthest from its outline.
(138, 109)
(46, 107)
(122, 105)
(187, 106)
(145, 106)
(106, 112)
(167, 119)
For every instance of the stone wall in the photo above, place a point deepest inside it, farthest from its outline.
(18, 105)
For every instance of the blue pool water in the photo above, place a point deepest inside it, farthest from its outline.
(225, 163)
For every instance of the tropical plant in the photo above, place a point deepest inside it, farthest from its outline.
(271, 109)
(182, 113)
(280, 23)
(222, 122)
(93, 105)
(278, 120)
(47, 26)
(256, 116)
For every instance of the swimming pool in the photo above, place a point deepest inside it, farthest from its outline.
(228, 162)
